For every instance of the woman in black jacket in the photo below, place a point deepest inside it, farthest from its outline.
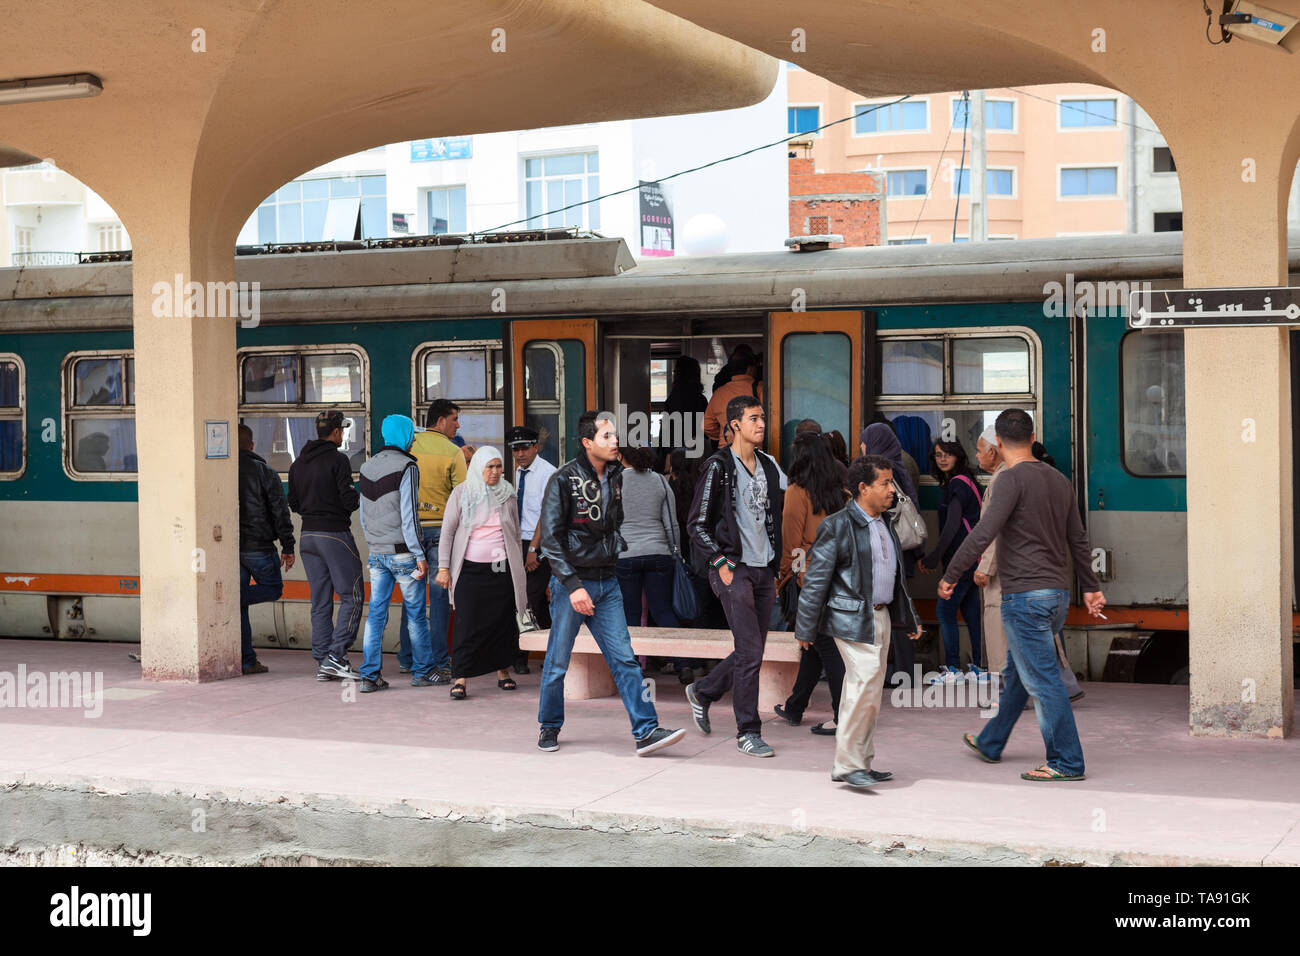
(959, 511)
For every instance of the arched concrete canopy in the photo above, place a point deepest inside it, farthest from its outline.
(208, 108)
(1232, 119)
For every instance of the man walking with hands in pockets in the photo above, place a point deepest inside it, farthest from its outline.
(1035, 519)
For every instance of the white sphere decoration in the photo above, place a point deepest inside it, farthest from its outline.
(705, 235)
(1155, 394)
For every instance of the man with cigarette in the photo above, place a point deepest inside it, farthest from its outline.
(1035, 520)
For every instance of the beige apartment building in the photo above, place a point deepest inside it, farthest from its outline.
(1060, 158)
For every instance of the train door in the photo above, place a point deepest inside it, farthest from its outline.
(552, 378)
(817, 367)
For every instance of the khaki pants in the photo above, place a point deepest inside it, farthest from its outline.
(864, 682)
(995, 638)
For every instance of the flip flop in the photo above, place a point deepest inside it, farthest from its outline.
(1046, 774)
(969, 741)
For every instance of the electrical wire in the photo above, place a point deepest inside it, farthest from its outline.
(965, 98)
(933, 179)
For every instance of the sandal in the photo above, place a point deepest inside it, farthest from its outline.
(507, 683)
(458, 692)
(1045, 773)
(969, 741)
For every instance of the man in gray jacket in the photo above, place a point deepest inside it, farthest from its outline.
(855, 590)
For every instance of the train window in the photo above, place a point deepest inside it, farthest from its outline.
(816, 379)
(99, 415)
(544, 397)
(11, 416)
(1155, 416)
(471, 374)
(952, 385)
(283, 390)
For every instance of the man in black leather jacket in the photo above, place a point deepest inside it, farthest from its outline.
(263, 517)
(582, 509)
(855, 590)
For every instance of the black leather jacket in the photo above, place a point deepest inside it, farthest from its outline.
(836, 595)
(712, 521)
(579, 538)
(263, 512)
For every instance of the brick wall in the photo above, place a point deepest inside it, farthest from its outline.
(848, 204)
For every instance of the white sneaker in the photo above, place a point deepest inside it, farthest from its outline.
(945, 675)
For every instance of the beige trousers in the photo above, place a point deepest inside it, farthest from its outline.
(864, 682)
(995, 638)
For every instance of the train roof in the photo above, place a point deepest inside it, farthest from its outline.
(598, 276)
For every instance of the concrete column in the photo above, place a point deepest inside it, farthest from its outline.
(189, 513)
(1239, 421)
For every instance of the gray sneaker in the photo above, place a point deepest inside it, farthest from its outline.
(369, 686)
(337, 667)
(548, 739)
(431, 679)
(658, 739)
(699, 710)
(753, 745)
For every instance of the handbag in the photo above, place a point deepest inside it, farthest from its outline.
(525, 621)
(789, 602)
(684, 604)
(907, 523)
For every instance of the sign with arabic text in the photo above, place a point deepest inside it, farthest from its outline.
(1213, 308)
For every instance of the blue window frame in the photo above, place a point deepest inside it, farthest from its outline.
(894, 118)
(446, 211)
(998, 114)
(997, 182)
(802, 119)
(905, 182)
(1078, 114)
(1090, 181)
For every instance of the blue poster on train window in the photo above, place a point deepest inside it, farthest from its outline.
(429, 150)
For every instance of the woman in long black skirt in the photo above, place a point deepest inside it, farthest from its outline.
(481, 564)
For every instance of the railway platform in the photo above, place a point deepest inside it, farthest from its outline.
(280, 769)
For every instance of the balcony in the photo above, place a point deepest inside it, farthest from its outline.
(44, 259)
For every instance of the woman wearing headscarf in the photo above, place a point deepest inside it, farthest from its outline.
(480, 527)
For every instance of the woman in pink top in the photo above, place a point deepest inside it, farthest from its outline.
(479, 544)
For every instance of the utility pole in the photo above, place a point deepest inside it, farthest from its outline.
(979, 213)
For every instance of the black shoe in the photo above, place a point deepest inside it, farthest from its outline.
(880, 776)
(858, 778)
(257, 667)
(686, 676)
(322, 674)
(431, 679)
(338, 667)
(548, 739)
(658, 739)
(699, 710)
(754, 745)
(441, 672)
(369, 686)
(793, 721)
(521, 665)
(822, 730)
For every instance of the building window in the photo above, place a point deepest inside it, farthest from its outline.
(908, 117)
(1162, 160)
(281, 391)
(802, 119)
(999, 115)
(23, 240)
(1167, 222)
(446, 211)
(99, 415)
(12, 419)
(1155, 416)
(325, 210)
(112, 237)
(905, 182)
(915, 241)
(967, 377)
(553, 182)
(1090, 181)
(997, 182)
(1079, 114)
(471, 374)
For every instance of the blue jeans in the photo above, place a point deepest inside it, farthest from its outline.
(966, 597)
(609, 626)
(437, 607)
(264, 568)
(384, 570)
(1031, 620)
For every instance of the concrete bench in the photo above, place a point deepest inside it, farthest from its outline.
(588, 675)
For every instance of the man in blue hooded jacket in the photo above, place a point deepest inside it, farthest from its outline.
(390, 482)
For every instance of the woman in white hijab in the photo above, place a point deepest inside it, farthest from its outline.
(479, 544)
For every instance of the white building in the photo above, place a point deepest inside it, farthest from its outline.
(47, 217)
(525, 179)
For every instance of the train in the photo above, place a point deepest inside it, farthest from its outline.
(934, 339)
